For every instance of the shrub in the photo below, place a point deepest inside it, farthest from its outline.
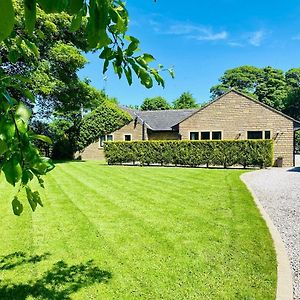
(192, 153)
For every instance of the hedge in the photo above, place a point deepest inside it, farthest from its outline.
(192, 153)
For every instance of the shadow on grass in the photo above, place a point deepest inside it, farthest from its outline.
(16, 259)
(68, 161)
(295, 169)
(59, 282)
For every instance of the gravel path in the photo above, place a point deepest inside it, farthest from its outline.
(278, 190)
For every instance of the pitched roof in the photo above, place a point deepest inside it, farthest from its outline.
(165, 120)
(160, 120)
(296, 122)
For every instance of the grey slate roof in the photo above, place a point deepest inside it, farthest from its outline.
(160, 120)
(164, 120)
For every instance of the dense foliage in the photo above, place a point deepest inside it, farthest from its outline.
(155, 103)
(185, 101)
(106, 118)
(192, 153)
(268, 85)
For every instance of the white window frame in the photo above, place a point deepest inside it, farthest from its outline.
(271, 134)
(194, 131)
(105, 139)
(127, 134)
(216, 131)
(263, 133)
(200, 135)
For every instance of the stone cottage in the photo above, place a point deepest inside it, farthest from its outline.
(231, 116)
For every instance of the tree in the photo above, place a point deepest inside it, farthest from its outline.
(244, 79)
(186, 100)
(292, 78)
(271, 88)
(292, 104)
(106, 118)
(267, 85)
(104, 24)
(155, 103)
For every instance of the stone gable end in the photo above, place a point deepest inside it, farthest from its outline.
(234, 115)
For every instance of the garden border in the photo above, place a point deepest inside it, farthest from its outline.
(284, 273)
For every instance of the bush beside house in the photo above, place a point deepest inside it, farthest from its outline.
(192, 153)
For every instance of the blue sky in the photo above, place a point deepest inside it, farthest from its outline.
(202, 39)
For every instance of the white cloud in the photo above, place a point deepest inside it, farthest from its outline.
(256, 38)
(196, 32)
(235, 44)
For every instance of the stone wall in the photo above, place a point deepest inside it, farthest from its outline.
(163, 135)
(234, 115)
(95, 152)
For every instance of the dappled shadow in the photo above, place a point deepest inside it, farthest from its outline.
(15, 259)
(57, 283)
(68, 161)
(295, 169)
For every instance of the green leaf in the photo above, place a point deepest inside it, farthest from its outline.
(29, 95)
(8, 129)
(13, 56)
(146, 79)
(105, 66)
(148, 57)
(7, 16)
(121, 24)
(130, 38)
(21, 125)
(17, 206)
(31, 199)
(133, 46)
(3, 147)
(142, 62)
(172, 73)
(30, 15)
(32, 47)
(52, 6)
(104, 40)
(23, 112)
(12, 170)
(128, 74)
(43, 138)
(37, 198)
(106, 53)
(76, 22)
(26, 176)
(98, 22)
(75, 6)
(9, 99)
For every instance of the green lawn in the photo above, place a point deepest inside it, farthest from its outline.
(109, 232)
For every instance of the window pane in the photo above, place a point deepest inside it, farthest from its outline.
(102, 140)
(216, 135)
(255, 135)
(127, 137)
(109, 137)
(194, 136)
(205, 135)
(267, 135)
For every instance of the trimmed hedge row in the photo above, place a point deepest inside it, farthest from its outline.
(192, 153)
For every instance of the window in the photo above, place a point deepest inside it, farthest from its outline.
(205, 135)
(105, 138)
(216, 135)
(127, 137)
(267, 134)
(254, 135)
(194, 136)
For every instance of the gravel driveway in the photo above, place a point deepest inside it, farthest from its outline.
(278, 190)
